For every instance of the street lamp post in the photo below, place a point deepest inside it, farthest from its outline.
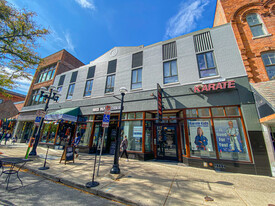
(115, 169)
(52, 93)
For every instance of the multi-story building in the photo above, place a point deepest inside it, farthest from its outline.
(51, 66)
(10, 105)
(253, 25)
(209, 117)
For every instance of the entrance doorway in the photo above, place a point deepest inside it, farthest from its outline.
(167, 147)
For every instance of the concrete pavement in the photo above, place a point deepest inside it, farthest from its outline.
(153, 182)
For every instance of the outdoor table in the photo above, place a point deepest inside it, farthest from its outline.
(12, 161)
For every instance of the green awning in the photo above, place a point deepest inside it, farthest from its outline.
(67, 114)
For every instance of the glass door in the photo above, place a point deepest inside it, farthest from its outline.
(167, 148)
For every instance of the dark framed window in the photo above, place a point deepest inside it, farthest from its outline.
(137, 59)
(110, 83)
(46, 73)
(70, 91)
(269, 62)
(111, 66)
(137, 78)
(73, 77)
(88, 88)
(256, 25)
(170, 72)
(61, 80)
(206, 64)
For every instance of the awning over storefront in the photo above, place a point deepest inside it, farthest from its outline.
(68, 114)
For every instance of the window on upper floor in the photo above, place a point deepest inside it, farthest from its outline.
(46, 74)
(170, 72)
(137, 61)
(60, 83)
(137, 78)
(110, 81)
(89, 82)
(269, 62)
(206, 64)
(110, 84)
(72, 85)
(70, 91)
(256, 24)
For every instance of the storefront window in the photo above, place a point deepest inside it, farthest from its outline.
(201, 138)
(85, 132)
(133, 131)
(204, 112)
(148, 115)
(131, 115)
(230, 139)
(148, 136)
(124, 116)
(46, 131)
(139, 115)
(217, 111)
(232, 111)
(52, 133)
(191, 113)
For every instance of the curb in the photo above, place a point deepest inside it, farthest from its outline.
(93, 191)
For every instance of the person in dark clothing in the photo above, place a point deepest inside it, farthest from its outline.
(124, 146)
(76, 142)
(7, 137)
(200, 140)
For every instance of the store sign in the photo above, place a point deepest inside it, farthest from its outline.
(102, 109)
(159, 103)
(37, 121)
(215, 86)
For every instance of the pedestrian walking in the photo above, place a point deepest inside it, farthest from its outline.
(76, 143)
(7, 136)
(124, 146)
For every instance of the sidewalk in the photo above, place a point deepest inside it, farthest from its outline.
(153, 182)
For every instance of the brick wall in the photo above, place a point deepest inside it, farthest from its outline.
(12, 97)
(235, 11)
(65, 62)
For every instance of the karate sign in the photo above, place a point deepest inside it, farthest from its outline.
(215, 86)
(106, 116)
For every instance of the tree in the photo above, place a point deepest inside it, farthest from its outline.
(19, 35)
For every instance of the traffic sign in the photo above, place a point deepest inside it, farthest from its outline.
(37, 121)
(106, 116)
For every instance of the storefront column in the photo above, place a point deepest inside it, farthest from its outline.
(187, 146)
(269, 147)
(56, 133)
(92, 133)
(143, 133)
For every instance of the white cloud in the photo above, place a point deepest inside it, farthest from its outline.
(186, 19)
(22, 83)
(69, 42)
(87, 4)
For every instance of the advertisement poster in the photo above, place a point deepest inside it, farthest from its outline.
(137, 132)
(200, 135)
(228, 136)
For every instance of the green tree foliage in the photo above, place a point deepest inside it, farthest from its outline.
(19, 35)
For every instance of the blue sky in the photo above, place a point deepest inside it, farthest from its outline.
(89, 28)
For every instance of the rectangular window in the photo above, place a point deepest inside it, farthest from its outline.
(46, 73)
(169, 51)
(61, 80)
(133, 130)
(201, 138)
(112, 66)
(73, 77)
(110, 83)
(256, 25)
(70, 91)
(170, 72)
(230, 139)
(91, 72)
(137, 59)
(269, 62)
(206, 64)
(137, 78)
(88, 87)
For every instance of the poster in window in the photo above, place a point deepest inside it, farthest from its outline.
(228, 136)
(137, 131)
(200, 135)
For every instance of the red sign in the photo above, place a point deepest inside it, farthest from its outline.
(215, 86)
(106, 116)
(159, 103)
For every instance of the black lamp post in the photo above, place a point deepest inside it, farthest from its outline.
(115, 169)
(52, 93)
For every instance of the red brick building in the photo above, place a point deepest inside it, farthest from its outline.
(44, 76)
(13, 96)
(253, 23)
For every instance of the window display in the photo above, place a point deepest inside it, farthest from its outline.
(133, 131)
(201, 138)
(230, 139)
